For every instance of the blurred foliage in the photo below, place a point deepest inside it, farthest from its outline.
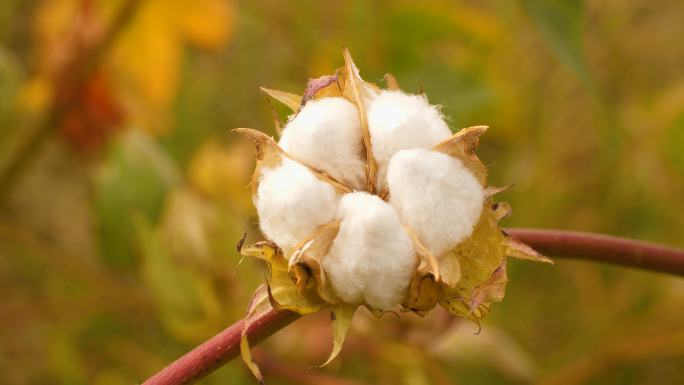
(123, 194)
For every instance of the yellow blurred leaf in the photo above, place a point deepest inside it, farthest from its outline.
(206, 23)
(223, 172)
(148, 56)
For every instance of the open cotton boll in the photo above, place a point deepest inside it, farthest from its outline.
(436, 196)
(372, 258)
(398, 121)
(292, 203)
(326, 135)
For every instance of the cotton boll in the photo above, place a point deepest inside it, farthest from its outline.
(292, 203)
(372, 258)
(436, 196)
(326, 135)
(398, 121)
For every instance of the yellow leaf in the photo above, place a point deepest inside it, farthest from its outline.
(223, 171)
(258, 307)
(270, 253)
(291, 100)
(284, 296)
(206, 23)
(481, 254)
(341, 317)
(517, 249)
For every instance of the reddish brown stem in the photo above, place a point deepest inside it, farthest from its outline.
(565, 244)
(220, 349)
(603, 248)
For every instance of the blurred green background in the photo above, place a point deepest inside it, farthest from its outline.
(123, 192)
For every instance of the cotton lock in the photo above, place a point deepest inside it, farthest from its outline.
(372, 258)
(398, 121)
(436, 196)
(326, 135)
(292, 203)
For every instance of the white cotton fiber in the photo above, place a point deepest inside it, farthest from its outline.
(326, 135)
(372, 258)
(292, 203)
(436, 196)
(398, 121)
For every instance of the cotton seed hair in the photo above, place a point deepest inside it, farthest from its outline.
(326, 134)
(369, 200)
(372, 258)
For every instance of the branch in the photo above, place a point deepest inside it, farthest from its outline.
(220, 349)
(74, 75)
(225, 346)
(603, 248)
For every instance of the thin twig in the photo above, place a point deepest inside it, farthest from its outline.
(225, 346)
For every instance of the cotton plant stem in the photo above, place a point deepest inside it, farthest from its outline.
(603, 248)
(225, 346)
(220, 349)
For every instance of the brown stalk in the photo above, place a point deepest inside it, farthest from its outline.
(225, 346)
(603, 248)
(75, 75)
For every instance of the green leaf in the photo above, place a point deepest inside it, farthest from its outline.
(10, 79)
(133, 180)
(186, 299)
(559, 22)
(341, 316)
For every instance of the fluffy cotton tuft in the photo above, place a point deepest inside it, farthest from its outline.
(326, 135)
(372, 259)
(436, 196)
(292, 203)
(398, 121)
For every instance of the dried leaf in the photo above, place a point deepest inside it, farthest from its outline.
(460, 307)
(291, 100)
(285, 296)
(491, 290)
(306, 260)
(276, 119)
(489, 191)
(449, 270)
(431, 293)
(316, 85)
(384, 193)
(482, 256)
(379, 313)
(258, 307)
(462, 146)
(422, 92)
(428, 268)
(341, 317)
(392, 83)
(500, 211)
(273, 256)
(517, 249)
(358, 92)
